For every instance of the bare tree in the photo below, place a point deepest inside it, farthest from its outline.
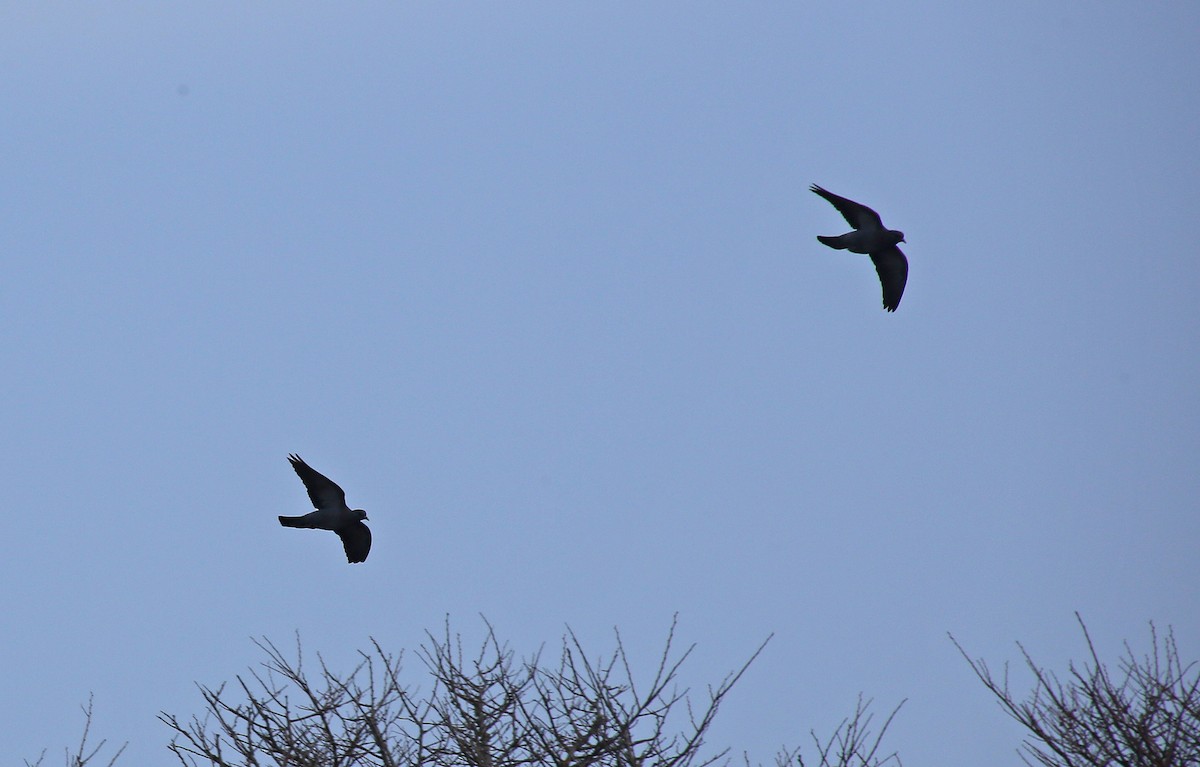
(852, 743)
(486, 709)
(83, 754)
(1145, 715)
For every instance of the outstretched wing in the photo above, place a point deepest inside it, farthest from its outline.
(856, 214)
(892, 267)
(322, 491)
(356, 540)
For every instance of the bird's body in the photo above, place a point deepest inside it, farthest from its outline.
(321, 519)
(870, 237)
(332, 513)
(859, 241)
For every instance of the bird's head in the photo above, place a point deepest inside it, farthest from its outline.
(897, 235)
(359, 514)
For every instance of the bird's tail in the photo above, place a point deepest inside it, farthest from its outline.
(293, 522)
(833, 242)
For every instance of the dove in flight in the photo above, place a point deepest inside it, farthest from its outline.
(332, 512)
(870, 238)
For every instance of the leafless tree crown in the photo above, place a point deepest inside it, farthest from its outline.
(1147, 714)
(485, 709)
(852, 743)
(84, 754)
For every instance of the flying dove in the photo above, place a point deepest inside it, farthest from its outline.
(870, 237)
(332, 512)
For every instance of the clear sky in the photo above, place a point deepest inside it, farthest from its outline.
(538, 284)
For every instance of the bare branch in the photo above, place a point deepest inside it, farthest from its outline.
(851, 744)
(486, 709)
(83, 755)
(1146, 715)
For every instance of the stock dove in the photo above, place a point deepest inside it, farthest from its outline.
(332, 512)
(871, 238)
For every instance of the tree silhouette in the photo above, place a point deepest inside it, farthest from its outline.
(852, 743)
(1147, 714)
(486, 709)
(84, 754)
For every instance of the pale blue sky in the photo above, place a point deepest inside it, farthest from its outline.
(538, 284)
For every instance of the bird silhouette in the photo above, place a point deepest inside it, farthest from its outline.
(331, 513)
(870, 237)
